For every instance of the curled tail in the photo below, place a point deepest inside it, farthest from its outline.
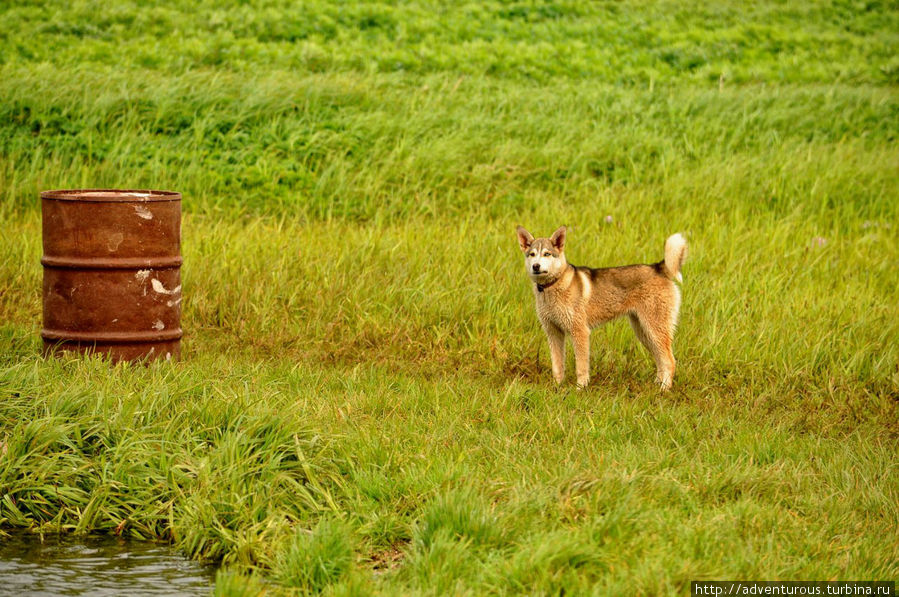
(675, 253)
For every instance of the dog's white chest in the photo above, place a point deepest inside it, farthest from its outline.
(553, 311)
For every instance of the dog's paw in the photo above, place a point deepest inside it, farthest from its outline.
(664, 379)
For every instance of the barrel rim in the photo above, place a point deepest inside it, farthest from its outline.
(111, 195)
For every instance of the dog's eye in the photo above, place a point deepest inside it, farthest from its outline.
(531, 254)
(546, 254)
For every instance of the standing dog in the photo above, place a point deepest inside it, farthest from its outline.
(571, 300)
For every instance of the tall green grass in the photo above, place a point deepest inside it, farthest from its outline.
(636, 43)
(340, 146)
(364, 404)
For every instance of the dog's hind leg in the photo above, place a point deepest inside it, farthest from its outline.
(657, 340)
(556, 339)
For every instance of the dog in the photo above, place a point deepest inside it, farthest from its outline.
(571, 300)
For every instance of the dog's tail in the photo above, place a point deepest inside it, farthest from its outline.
(675, 253)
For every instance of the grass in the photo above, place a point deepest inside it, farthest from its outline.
(364, 404)
(316, 558)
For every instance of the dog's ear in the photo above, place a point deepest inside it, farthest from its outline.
(558, 238)
(524, 239)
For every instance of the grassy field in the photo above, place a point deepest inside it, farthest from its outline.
(364, 404)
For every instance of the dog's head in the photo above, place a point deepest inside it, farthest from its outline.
(544, 258)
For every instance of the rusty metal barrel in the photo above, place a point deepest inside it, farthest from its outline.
(112, 272)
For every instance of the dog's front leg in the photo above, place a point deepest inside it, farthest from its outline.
(580, 337)
(556, 339)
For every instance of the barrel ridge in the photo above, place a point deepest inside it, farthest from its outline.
(144, 336)
(171, 262)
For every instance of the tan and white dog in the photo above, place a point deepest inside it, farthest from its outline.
(571, 300)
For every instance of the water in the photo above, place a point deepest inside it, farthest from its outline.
(98, 566)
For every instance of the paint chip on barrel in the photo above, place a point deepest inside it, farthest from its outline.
(158, 325)
(159, 288)
(114, 241)
(143, 212)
